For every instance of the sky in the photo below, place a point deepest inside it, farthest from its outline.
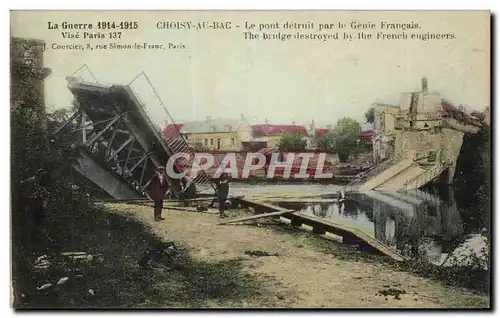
(221, 74)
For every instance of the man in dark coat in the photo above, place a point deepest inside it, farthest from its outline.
(188, 188)
(223, 193)
(159, 186)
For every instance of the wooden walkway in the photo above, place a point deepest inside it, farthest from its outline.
(320, 226)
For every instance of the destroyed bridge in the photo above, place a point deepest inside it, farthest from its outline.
(121, 144)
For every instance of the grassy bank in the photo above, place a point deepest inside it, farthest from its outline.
(177, 281)
(471, 277)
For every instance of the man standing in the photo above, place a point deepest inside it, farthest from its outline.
(160, 186)
(223, 193)
(188, 188)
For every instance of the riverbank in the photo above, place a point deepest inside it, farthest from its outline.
(307, 273)
(215, 266)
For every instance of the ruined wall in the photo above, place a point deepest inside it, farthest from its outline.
(426, 102)
(445, 144)
(384, 125)
(421, 142)
(451, 145)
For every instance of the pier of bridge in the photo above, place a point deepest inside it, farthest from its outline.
(415, 143)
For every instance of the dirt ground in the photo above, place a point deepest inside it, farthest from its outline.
(301, 276)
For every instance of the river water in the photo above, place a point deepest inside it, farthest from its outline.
(431, 224)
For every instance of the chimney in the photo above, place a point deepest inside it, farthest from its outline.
(208, 119)
(242, 117)
(424, 84)
(293, 122)
(267, 121)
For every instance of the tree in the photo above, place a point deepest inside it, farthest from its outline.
(370, 115)
(347, 132)
(59, 115)
(292, 142)
(327, 142)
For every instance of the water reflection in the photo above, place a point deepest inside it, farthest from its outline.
(419, 224)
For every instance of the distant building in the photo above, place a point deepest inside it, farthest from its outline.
(216, 134)
(424, 127)
(271, 134)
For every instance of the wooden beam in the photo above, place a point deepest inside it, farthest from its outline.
(344, 230)
(178, 208)
(259, 216)
(259, 204)
(306, 200)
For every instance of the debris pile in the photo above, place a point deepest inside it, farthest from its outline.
(391, 292)
(66, 273)
(258, 253)
(163, 252)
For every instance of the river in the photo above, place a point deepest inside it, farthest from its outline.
(433, 224)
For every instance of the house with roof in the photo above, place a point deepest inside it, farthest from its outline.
(271, 133)
(212, 134)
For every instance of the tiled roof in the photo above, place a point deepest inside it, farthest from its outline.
(212, 125)
(197, 127)
(321, 131)
(270, 129)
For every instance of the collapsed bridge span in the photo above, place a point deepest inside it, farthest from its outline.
(120, 144)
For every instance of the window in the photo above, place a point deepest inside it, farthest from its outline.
(218, 143)
(233, 142)
(211, 141)
(206, 142)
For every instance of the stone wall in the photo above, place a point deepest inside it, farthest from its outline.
(445, 144)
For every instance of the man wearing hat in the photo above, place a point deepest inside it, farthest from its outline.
(159, 186)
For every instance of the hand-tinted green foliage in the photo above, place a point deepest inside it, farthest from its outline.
(344, 139)
(347, 132)
(474, 173)
(292, 142)
(327, 142)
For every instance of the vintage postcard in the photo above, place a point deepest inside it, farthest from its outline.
(250, 159)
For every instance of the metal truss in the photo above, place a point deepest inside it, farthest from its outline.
(114, 147)
(111, 139)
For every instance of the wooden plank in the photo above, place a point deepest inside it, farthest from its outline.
(269, 206)
(258, 216)
(381, 247)
(306, 200)
(178, 208)
(125, 201)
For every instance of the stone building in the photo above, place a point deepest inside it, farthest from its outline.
(424, 128)
(384, 131)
